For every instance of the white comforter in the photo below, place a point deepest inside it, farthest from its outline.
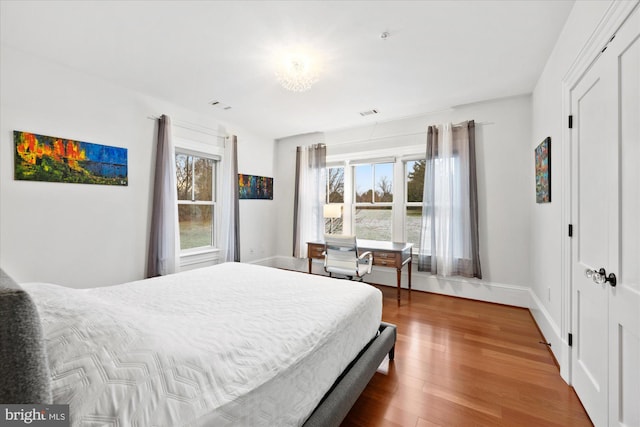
(233, 344)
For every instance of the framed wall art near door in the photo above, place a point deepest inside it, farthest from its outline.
(543, 171)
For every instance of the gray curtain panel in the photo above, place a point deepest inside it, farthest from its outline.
(449, 243)
(229, 239)
(473, 203)
(162, 239)
(235, 196)
(296, 202)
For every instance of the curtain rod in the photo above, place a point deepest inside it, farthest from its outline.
(193, 127)
(364, 140)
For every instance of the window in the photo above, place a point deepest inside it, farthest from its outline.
(335, 194)
(373, 197)
(195, 179)
(414, 173)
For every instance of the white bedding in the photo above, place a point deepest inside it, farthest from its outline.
(234, 344)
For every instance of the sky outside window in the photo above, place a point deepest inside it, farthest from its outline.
(371, 178)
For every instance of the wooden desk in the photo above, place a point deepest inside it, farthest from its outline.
(385, 254)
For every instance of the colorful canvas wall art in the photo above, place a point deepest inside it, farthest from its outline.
(255, 187)
(53, 159)
(543, 171)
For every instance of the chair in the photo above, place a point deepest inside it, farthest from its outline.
(341, 257)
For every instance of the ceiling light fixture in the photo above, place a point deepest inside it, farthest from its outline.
(297, 71)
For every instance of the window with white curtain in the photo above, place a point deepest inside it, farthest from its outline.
(389, 199)
(375, 198)
(449, 244)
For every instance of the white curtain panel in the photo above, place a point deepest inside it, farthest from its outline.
(310, 196)
(449, 235)
(163, 239)
(230, 233)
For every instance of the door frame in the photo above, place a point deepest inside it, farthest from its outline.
(613, 18)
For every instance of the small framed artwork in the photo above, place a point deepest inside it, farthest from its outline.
(543, 171)
(255, 187)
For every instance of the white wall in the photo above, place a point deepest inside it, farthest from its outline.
(91, 235)
(257, 217)
(547, 228)
(505, 187)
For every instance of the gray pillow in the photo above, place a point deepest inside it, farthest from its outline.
(24, 370)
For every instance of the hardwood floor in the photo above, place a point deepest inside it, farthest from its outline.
(465, 363)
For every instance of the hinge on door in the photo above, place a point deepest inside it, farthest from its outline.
(607, 45)
(570, 340)
(570, 122)
(570, 230)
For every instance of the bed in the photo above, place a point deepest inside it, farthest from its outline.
(233, 344)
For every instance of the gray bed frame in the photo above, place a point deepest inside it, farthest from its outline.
(335, 405)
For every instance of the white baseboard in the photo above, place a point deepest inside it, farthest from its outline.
(475, 289)
(552, 334)
(480, 290)
(267, 262)
(291, 263)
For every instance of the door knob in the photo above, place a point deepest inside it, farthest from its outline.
(600, 276)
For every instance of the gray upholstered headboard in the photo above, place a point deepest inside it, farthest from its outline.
(24, 368)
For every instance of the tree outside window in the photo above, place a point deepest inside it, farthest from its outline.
(413, 206)
(335, 194)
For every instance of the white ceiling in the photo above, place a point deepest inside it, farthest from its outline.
(440, 53)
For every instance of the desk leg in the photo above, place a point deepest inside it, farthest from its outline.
(409, 276)
(399, 279)
(310, 264)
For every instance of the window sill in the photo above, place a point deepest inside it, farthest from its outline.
(199, 256)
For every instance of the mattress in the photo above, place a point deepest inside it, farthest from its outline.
(233, 344)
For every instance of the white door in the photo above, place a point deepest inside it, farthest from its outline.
(624, 245)
(590, 311)
(605, 213)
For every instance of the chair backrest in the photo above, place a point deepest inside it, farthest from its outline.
(341, 254)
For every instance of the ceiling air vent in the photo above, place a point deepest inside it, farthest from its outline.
(368, 112)
(220, 105)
